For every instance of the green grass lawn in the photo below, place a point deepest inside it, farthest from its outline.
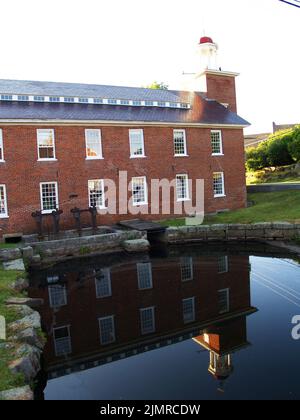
(7, 379)
(268, 207)
(4, 245)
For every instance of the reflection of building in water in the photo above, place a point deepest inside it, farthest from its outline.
(99, 311)
(222, 340)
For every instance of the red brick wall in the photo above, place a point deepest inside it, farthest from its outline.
(22, 173)
(222, 89)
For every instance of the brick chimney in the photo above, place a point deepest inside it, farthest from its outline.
(220, 85)
(217, 84)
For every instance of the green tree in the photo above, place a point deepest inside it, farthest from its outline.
(158, 85)
(294, 145)
(257, 157)
(278, 149)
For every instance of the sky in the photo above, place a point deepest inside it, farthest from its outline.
(134, 42)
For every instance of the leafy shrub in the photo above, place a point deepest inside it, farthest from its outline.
(278, 151)
(294, 146)
(256, 158)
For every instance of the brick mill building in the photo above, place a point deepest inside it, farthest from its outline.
(59, 141)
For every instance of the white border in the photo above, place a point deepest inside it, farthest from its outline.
(38, 147)
(41, 196)
(5, 215)
(100, 140)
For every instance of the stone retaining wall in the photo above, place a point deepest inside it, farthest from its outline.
(240, 232)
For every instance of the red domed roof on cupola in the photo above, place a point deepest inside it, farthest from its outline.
(206, 40)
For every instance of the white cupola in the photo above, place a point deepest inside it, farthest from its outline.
(208, 51)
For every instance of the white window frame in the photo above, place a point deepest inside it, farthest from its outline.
(100, 156)
(184, 262)
(140, 131)
(113, 339)
(153, 329)
(66, 338)
(41, 196)
(63, 288)
(1, 146)
(103, 192)
(107, 273)
(185, 154)
(139, 266)
(193, 310)
(221, 142)
(4, 215)
(225, 311)
(38, 131)
(187, 198)
(223, 185)
(222, 264)
(141, 203)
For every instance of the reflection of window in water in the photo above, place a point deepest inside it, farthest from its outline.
(188, 308)
(186, 264)
(57, 295)
(144, 272)
(103, 283)
(107, 329)
(223, 300)
(52, 279)
(62, 340)
(223, 264)
(147, 320)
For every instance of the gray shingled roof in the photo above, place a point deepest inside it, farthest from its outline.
(205, 112)
(26, 87)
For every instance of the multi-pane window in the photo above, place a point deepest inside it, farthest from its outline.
(107, 330)
(216, 142)
(83, 100)
(223, 264)
(179, 143)
(46, 144)
(49, 196)
(62, 341)
(52, 279)
(3, 201)
(147, 316)
(103, 283)
(139, 191)
(69, 99)
(39, 98)
(96, 193)
(144, 272)
(218, 179)
(23, 98)
(182, 187)
(136, 140)
(6, 97)
(57, 295)
(188, 310)
(186, 265)
(93, 144)
(223, 301)
(54, 99)
(1, 146)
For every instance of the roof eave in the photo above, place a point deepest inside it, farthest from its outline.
(120, 123)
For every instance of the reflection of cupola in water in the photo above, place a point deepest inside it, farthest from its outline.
(222, 341)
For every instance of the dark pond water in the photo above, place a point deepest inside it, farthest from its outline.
(183, 323)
